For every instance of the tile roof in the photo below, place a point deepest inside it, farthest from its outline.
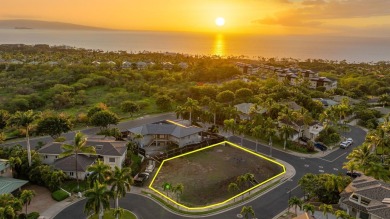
(68, 163)
(165, 128)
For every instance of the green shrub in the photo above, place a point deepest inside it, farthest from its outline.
(59, 195)
(60, 139)
(33, 215)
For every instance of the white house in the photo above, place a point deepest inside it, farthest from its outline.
(110, 152)
(164, 132)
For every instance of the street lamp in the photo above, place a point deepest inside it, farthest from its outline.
(289, 196)
(270, 145)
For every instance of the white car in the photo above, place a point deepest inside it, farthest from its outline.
(344, 144)
(350, 140)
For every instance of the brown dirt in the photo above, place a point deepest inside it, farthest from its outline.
(206, 174)
(41, 201)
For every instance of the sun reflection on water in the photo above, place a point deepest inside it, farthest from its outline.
(219, 45)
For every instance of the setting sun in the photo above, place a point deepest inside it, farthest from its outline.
(220, 21)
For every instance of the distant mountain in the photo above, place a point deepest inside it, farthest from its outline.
(35, 24)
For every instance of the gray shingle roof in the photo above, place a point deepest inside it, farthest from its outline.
(110, 148)
(68, 163)
(165, 128)
(383, 213)
(377, 193)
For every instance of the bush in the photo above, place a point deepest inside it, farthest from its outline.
(33, 215)
(59, 195)
(60, 139)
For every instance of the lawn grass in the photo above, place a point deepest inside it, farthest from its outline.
(109, 214)
(71, 186)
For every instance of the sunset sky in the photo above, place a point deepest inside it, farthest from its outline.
(268, 17)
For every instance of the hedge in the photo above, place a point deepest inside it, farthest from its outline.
(59, 195)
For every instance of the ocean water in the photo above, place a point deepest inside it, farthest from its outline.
(352, 49)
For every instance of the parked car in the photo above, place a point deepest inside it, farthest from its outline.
(345, 144)
(320, 146)
(350, 140)
(353, 174)
(141, 178)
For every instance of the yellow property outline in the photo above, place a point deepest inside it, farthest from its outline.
(220, 203)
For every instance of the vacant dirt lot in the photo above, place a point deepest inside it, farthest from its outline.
(206, 174)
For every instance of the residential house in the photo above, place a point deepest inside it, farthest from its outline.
(7, 183)
(323, 82)
(165, 132)
(286, 74)
(126, 64)
(183, 65)
(247, 68)
(313, 131)
(141, 65)
(110, 152)
(68, 165)
(246, 109)
(366, 198)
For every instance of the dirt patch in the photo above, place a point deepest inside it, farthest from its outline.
(41, 201)
(207, 174)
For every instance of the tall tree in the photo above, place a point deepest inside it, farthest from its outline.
(308, 208)
(99, 172)
(26, 197)
(362, 156)
(98, 199)
(190, 105)
(54, 126)
(79, 147)
(286, 132)
(326, 209)
(247, 211)
(13, 162)
(178, 189)
(233, 188)
(295, 202)
(103, 119)
(25, 120)
(120, 182)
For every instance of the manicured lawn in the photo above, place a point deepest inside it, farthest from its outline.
(110, 215)
(71, 186)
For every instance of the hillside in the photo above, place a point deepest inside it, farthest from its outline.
(35, 24)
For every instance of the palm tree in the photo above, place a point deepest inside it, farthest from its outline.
(190, 106)
(295, 201)
(241, 180)
(334, 183)
(214, 108)
(342, 214)
(326, 209)
(308, 208)
(120, 181)
(229, 125)
(118, 212)
(362, 156)
(13, 162)
(26, 197)
(384, 99)
(180, 111)
(25, 120)
(98, 199)
(285, 133)
(233, 188)
(249, 177)
(378, 171)
(178, 189)
(246, 211)
(79, 146)
(99, 172)
(351, 166)
(167, 187)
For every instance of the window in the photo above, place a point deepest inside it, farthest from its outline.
(354, 197)
(365, 201)
(45, 156)
(111, 159)
(99, 147)
(56, 157)
(70, 173)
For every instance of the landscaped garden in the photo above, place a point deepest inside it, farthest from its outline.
(213, 175)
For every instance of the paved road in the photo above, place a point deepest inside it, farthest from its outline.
(266, 206)
(94, 130)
